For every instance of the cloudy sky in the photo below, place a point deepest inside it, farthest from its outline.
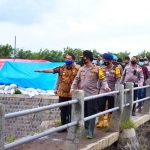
(105, 25)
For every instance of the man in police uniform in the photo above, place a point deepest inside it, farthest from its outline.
(113, 75)
(115, 63)
(66, 76)
(133, 73)
(88, 75)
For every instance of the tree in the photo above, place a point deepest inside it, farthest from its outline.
(121, 55)
(95, 53)
(143, 54)
(6, 51)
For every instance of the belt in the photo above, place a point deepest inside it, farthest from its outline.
(135, 84)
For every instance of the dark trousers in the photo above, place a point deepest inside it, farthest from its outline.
(102, 102)
(90, 108)
(135, 97)
(65, 111)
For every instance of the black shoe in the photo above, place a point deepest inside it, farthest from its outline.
(133, 114)
(65, 130)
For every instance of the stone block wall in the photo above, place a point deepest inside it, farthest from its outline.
(143, 135)
(29, 124)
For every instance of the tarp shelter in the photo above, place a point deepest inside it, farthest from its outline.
(2, 61)
(22, 74)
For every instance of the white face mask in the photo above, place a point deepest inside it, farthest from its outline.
(145, 62)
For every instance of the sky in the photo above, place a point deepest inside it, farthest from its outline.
(104, 25)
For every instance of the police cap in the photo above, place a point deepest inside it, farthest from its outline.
(107, 56)
(88, 54)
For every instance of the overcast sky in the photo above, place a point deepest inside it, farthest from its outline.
(104, 25)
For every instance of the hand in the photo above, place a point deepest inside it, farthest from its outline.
(71, 90)
(37, 70)
(140, 84)
(107, 89)
(55, 92)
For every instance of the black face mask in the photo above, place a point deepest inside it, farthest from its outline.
(106, 63)
(126, 63)
(84, 61)
(115, 63)
(133, 62)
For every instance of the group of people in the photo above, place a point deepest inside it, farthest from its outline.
(95, 79)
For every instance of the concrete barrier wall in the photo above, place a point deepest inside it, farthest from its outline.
(29, 124)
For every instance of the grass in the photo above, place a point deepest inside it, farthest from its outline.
(127, 124)
(10, 138)
(57, 123)
(142, 147)
(17, 91)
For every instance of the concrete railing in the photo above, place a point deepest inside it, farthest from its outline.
(122, 111)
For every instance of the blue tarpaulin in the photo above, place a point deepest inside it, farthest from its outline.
(22, 74)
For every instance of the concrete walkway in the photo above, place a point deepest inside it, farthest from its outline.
(101, 139)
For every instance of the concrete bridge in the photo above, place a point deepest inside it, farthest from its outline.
(102, 139)
(74, 139)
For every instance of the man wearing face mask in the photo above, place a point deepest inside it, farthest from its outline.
(142, 92)
(89, 75)
(116, 64)
(113, 75)
(66, 76)
(126, 60)
(148, 66)
(99, 61)
(133, 73)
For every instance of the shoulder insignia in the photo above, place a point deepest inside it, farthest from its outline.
(100, 73)
(82, 68)
(112, 70)
(117, 72)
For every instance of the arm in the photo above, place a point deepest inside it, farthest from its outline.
(56, 85)
(121, 69)
(146, 73)
(54, 70)
(123, 76)
(76, 81)
(118, 81)
(118, 74)
(45, 70)
(104, 85)
(102, 82)
(141, 77)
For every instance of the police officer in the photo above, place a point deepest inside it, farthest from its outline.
(113, 75)
(126, 60)
(88, 75)
(133, 73)
(115, 63)
(142, 92)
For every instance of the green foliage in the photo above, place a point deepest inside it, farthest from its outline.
(143, 147)
(10, 138)
(17, 91)
(127, 124)
(121, 55)
(6, 51)
(143, 54)
(57, 123)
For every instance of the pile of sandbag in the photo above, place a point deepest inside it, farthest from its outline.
(10, 89)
